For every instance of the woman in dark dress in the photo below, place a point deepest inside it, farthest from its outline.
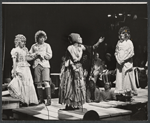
(72, 91)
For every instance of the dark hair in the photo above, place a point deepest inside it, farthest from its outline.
(39, 36)
(91, 115)
(126, 31)
(109, 84)
(70, 39)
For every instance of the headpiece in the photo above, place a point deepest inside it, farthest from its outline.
(74, 37)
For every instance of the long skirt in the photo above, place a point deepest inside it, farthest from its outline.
(22, 87)
(72, 89)
(125, 79)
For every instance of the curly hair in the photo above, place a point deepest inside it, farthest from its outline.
(19, 38)
(109, 83)
(124, 30)
(39, 34)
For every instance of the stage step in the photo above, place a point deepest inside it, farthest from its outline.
(9, 103)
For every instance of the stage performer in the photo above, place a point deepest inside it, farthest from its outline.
(72, 91)
(124, 53)
(22, 86)
(97, 69)
(42, 53)
(105, 95)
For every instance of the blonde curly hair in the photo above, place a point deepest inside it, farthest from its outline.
(19, 38)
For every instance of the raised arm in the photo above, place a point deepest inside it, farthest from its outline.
(101, 39)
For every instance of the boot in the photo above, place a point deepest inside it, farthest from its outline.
(48, 94)
(40, 95)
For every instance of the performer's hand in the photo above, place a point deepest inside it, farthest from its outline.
(38, 53)
(101, 39)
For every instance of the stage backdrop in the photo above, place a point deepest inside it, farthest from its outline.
(58, 21)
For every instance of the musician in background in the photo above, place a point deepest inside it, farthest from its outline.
(105, 95)
(96, 69)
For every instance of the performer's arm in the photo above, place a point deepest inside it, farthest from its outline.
(124, 54)
(31, 55)
(129, 52)
(99, 41)
(14, 58)
(48, 54)
(14, 67)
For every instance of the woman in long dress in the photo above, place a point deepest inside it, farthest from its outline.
(72, 84)
(125, 79)
(21, 86)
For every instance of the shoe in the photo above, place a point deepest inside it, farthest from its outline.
(23, 105)
(77, 108)
(48, 101)
(88, 101)
(68, 108)
(32, 104)
(41, 101)
(48, 94)
(40, 95)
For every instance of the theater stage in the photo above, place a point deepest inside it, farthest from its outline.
(112, 110)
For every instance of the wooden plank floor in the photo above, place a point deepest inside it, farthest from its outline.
(106, 110)
(53, 112)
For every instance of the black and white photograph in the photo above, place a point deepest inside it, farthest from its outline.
(74, 61)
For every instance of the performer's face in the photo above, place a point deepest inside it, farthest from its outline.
(122, 35)
(107, 86)
(21, 44)
(41, 40)
(80, 39)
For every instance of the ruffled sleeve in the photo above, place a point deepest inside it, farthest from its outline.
(14, 53)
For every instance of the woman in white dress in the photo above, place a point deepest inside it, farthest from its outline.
(125, 79)
(21, 86)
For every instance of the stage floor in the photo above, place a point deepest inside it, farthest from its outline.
(107, 110)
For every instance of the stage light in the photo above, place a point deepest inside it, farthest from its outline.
(135, 17)
(109, 15)
(128, 15)
(115, 16)
(120, 14)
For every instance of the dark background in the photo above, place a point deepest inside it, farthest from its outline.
(58, 21)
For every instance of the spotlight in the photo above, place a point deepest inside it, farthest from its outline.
(115, 16)
(120, 14)
(109, 15)
(135, 17)
(128, 15)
